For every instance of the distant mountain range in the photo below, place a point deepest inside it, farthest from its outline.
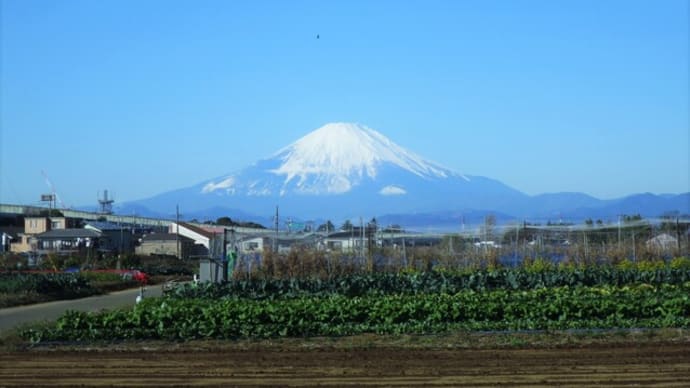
(347, 171)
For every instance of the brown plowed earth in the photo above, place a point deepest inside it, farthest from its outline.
(663, 365)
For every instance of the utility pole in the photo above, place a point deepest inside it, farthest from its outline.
(584, 238)
(633, 243)
(678, 234)
(275, 240)
(619, 231)
(224, 260)
(404, 252)
(517, 239)
(122, 238)
(233, 246)
(486, 226)
(177, 230)
(352, 238)
(361, 238)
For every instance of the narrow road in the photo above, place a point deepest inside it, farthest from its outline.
(15, 316)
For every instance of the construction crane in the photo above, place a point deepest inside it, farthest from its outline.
(56, 198)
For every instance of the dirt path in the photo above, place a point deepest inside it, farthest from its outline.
(666, 365)
(14, 316)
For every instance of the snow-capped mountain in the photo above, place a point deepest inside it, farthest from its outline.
(347, 171)
(341, 170)
(334, 159)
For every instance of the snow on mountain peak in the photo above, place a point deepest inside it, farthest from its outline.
(332, 159)
(343, 151)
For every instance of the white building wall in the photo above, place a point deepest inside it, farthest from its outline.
(252, 245)
(198, 238)
(342, 244)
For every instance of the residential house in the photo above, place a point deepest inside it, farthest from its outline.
(165, 244)
(209, 239)
(344, 241)
(35, 225)
(8, 236)
(252, 244)
(10, 228)
(284, 243)
(66, 241)
(114, 238)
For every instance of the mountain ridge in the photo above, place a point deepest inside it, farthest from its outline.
(347, 171)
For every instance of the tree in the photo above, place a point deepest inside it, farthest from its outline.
(249, 224)
(373, 225)
(327, 227)
(347, 226)
(633, 218)
(225, 221)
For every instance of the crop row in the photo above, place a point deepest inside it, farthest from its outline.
(430, 282)
(337, 315)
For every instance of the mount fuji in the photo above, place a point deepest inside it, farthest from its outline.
(347, 171)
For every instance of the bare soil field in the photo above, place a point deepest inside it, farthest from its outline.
(651, 363)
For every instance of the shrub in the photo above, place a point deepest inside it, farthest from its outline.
(680, 263)
(539, 265)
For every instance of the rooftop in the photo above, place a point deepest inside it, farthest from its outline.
(164, 237)
(102, 226)
(57, 234)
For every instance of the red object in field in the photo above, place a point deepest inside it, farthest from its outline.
(139, 276)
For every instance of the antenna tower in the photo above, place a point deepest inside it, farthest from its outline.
(105, 203)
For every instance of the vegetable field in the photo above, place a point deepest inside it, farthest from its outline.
(434, 282)
(402, 303)
(18, 288)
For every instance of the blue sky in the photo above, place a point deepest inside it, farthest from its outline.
(141, 97)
